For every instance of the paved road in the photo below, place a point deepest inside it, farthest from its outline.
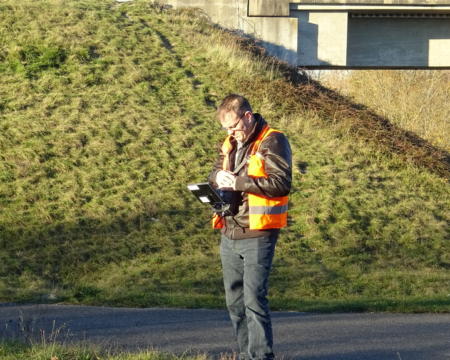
(363, 336)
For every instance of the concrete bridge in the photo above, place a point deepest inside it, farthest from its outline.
(341, 33)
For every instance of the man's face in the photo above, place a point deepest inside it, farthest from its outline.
(239, 127)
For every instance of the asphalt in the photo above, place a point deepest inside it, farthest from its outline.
(349, 336)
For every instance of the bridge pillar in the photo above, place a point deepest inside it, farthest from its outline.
(341, 33)
(322, 38)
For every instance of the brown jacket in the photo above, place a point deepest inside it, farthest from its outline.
(278, 164)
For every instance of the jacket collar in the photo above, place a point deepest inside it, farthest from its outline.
(257, 128)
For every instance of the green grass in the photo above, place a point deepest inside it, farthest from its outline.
(10, 350)
(107, 112)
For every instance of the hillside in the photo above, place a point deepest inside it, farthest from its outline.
(107, 112)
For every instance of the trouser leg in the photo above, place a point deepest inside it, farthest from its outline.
(246, 267)
(233, 279)
(258, 255)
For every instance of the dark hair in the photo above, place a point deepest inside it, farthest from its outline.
(236, 103)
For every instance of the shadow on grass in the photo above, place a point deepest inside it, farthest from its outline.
(37, 258)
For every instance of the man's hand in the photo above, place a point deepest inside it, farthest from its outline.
(225, 180)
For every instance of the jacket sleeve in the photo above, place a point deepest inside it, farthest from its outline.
(277, 155)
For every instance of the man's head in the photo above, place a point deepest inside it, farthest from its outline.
(235, 116)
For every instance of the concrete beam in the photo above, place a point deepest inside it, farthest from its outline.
(374, 2)
(268, 7)
(366, 7)
(282, 7)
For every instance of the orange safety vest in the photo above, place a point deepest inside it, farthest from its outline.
(264, 212)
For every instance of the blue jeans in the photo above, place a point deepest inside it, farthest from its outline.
(246, 266)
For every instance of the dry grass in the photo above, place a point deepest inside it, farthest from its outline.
(415, 100)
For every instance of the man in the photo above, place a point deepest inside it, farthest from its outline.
(254, 168)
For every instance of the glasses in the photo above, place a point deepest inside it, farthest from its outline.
(233, 127)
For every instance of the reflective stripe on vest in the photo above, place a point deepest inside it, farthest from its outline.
(268, 210)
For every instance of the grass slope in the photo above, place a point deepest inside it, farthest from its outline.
(107, 112)
(54, 351)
